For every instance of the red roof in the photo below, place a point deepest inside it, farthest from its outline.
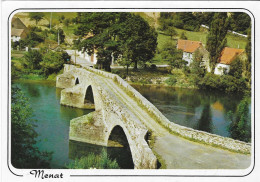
(229, 54)
(188, 45)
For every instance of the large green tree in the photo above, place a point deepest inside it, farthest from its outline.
(53, 62)
(114, 33)
(216, 39)
(33, 57)
(240, 22)
(248, 53)
(24, 153)
(37, 16)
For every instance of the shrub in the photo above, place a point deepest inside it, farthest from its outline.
(24, 153)
(33, 57)
(171, 81)
(240, 123)
(101, 161)
(52, 62)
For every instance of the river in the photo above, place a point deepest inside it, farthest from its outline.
(200, 110)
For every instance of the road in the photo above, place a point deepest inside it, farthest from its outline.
(79, 60)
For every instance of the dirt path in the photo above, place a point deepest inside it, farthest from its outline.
(179, 153)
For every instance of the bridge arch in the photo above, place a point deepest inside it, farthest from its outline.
(119, 148)
(77, 81)
(89, 96)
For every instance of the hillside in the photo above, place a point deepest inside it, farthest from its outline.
(151, 17)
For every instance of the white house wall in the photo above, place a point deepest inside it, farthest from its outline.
(15, 38)
(219, 69)
(187, 57)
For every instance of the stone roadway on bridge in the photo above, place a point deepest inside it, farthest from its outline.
(177, 152)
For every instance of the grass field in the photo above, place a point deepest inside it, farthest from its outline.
(232, 40)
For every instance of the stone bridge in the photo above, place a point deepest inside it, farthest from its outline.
(119, 111)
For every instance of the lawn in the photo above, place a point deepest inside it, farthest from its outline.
(233, 41)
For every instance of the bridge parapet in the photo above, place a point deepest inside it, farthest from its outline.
(189, 133)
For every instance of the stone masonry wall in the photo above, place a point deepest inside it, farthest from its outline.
(183, 131)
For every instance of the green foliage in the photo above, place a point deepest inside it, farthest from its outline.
(248, 53)
(24, 153)
(195, 66)
(115, 33)
(240, 22)
(226, 83)
(173, 56)
(183, 36)
(236, 68)
(59, 32)
(240, 127)
(101, 161)
(37, 16)
(171, 81)
(33, 57)
(183, 20)
(67, 22)
(216, 39)
(52, 62)
(171, 32)
(33, 39)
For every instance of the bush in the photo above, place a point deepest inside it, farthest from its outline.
(33, 57)
(171, 81)
(241, 122)
(101, 161)
(24, 153)
(52, 62)
(225, 83)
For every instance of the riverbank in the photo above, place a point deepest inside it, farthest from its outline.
(162, 76)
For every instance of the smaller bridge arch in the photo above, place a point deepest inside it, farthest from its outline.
(119, 148)
(77, 81)
(89, 96)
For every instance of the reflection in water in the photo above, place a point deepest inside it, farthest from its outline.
(205, 120)
(198, 109)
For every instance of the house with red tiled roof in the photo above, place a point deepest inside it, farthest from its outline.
(188, 47)
(227, 56)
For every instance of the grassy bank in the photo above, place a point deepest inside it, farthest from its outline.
(160, 76)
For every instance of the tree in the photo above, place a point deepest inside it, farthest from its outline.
(216, 39)
(33, 57)
(236, 68)
(248, 53)
(67, 22)
(140, 38)
(52, 62)
(195, 65)
(171, 32)
(112, 32)
(59, 32)
(240, 22)
(37, 16)
(183, 36)
(240, 123)
(24, 153)
(173, 56)
(61, 18)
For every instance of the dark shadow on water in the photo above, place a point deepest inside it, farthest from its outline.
(80, 149)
